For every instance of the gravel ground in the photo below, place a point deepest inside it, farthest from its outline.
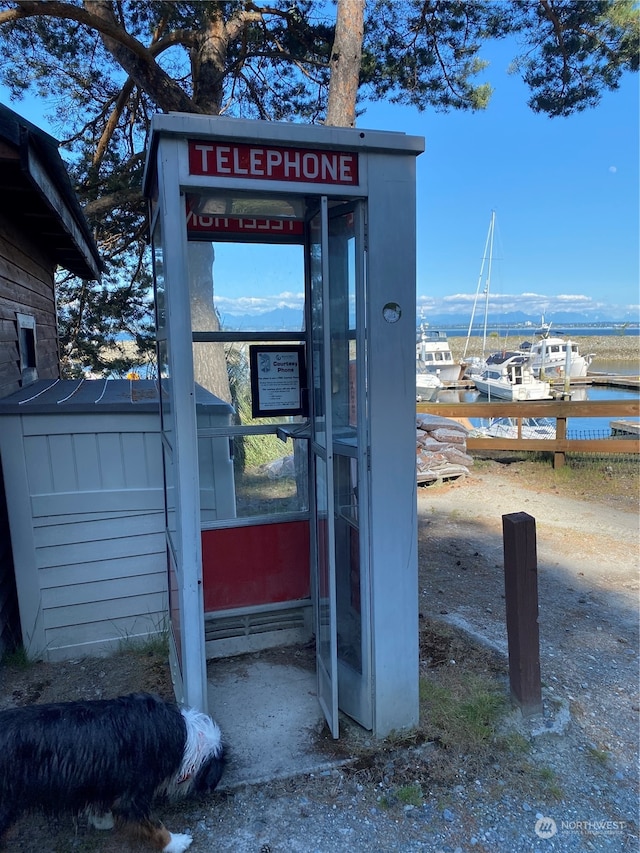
(566, 781)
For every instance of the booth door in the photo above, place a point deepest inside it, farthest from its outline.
(338, 452)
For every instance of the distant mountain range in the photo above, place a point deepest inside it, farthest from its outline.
(509, 319)
(280, 319)
(289, 319)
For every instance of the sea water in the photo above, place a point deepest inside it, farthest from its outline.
(576, 427)
(599, 427)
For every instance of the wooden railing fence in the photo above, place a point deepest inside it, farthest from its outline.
(561, 410)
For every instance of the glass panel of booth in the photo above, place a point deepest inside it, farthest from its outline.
(246, 261)
(162, 340)
(348, 575)
(348, 350)
(246, 278)
(342, 309)
(317, 330)
(164, 379)
(249, 467)
(173, 530)
(325, 597)
(167, 444)
(268, 477)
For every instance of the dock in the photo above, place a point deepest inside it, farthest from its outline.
(608, 380)
(625, 429)
(632, 383)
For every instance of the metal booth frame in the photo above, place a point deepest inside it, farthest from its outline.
(356, 194)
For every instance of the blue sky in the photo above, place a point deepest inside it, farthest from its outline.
(565, 192)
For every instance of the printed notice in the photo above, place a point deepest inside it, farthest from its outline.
(278, 378)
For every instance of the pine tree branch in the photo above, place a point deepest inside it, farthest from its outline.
(136, 59)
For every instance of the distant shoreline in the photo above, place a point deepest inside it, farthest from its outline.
(605, 347)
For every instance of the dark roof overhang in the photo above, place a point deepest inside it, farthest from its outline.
(36, 193)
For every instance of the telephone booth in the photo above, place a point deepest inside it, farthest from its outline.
(293, 515)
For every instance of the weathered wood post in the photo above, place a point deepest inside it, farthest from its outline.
(521, 594)
(559, 456)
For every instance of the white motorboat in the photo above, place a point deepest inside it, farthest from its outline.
(511, 379)
(427, 385)
(519, 428)
(433, 355)
(549, 357)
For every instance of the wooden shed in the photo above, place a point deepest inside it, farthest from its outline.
(42, 227)
(83, 470)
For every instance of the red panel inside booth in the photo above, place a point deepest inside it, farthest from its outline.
(261, 564)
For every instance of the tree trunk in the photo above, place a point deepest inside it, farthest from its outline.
(208, 62)
(207, 72)
(345, 63)
(209, 361)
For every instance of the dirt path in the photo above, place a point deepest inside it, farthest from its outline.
(588, 560)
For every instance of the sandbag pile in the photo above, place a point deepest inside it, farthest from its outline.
(441, 448)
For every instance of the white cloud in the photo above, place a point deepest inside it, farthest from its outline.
(458, 305)
(574, 298)
(259, 304)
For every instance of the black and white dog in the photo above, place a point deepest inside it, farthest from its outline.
(109, 758)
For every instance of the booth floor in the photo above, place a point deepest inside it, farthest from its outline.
(270, 719)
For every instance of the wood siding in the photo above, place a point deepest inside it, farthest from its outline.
(26, 287)
(87, 521)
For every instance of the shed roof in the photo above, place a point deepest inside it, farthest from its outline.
(36, 192)
(98, 396)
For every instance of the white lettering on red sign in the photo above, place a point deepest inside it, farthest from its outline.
(232, 160)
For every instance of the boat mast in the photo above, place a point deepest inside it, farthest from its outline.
(488, 284)
(488, 245)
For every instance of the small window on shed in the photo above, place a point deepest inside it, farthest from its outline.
(27, 347)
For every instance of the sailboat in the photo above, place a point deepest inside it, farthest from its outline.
(549, 358)
(475, 365)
